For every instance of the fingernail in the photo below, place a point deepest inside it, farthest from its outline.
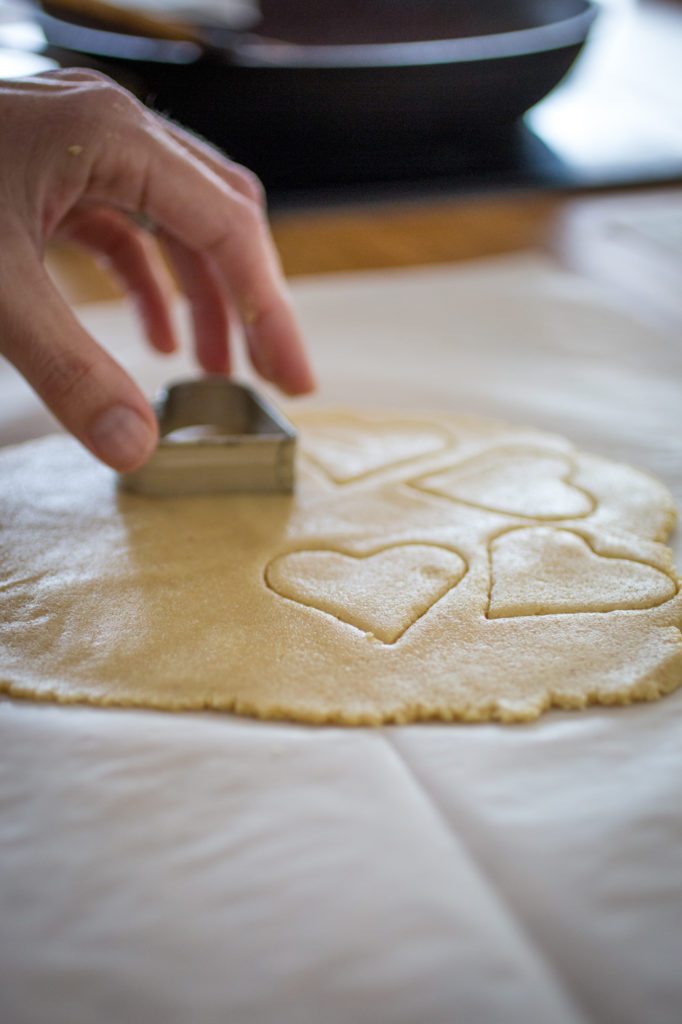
(122, 438)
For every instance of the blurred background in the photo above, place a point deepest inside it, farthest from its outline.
(336, 100)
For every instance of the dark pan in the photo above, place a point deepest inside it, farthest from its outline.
(322, 93)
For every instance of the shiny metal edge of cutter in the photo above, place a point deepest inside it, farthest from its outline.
(241, 443)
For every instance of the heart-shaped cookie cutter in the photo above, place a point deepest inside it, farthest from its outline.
(216, 436)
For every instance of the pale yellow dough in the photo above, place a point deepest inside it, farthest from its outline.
(425, 568)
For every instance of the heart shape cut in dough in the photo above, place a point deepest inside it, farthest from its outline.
(351, 448)
(383, 593)
(515, 481)
(544, 571)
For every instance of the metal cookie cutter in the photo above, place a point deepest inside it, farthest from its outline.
(232, 440)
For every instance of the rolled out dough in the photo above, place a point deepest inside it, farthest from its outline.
(425, 568)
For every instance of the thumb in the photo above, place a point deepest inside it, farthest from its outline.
(81, 384)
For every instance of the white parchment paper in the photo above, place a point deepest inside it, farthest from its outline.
(177, 868)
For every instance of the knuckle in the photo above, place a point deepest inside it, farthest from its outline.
(96, 106)
(249, 184)
(104, 98)
(240, 221)
(114, 97)
(81, 75)
(62, 377)
(250, 217)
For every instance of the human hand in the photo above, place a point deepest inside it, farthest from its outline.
(81, 158)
